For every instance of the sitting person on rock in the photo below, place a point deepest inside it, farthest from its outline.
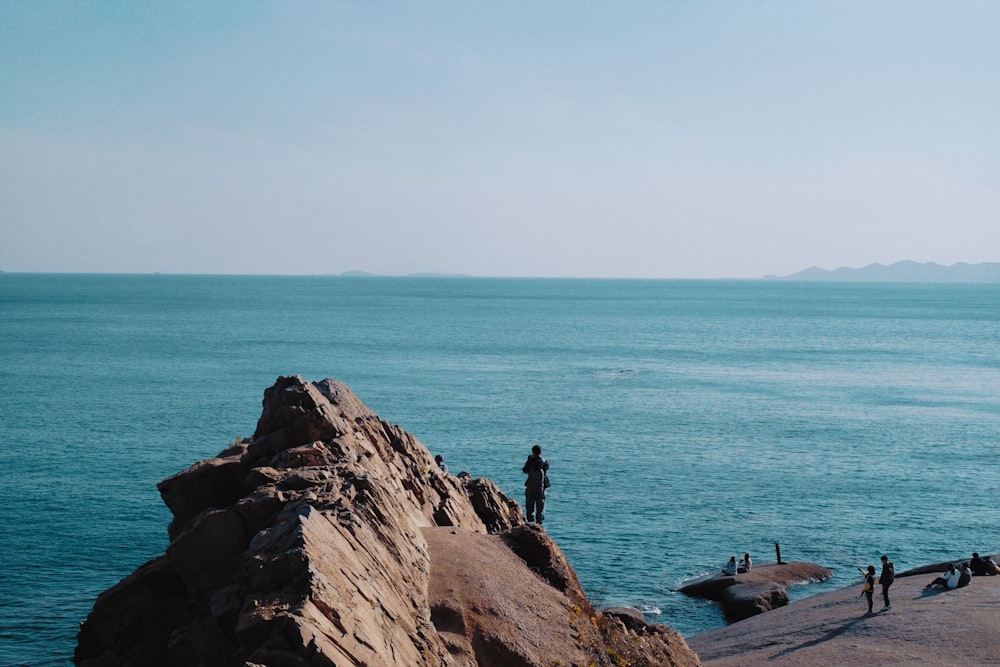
(730, 567)
(745, 564)
(964, 575)
(982, 566)
(947, 580)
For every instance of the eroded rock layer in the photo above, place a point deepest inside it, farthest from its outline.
(312, 543)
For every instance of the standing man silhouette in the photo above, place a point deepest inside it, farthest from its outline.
(535, 485)
(886, 578)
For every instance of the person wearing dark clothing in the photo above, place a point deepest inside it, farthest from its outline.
(534, 487)
(964, 575)
(982, 566)
(869, 585)
(886, 578)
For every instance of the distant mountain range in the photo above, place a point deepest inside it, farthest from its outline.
(904, 272)
(900, 272)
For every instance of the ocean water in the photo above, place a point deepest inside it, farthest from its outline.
(685, 421)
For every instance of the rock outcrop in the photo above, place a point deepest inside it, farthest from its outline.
(924, 628)
(751, 593)
(331, 538)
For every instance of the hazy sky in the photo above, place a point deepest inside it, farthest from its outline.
(622, 139)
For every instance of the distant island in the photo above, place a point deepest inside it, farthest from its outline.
(903, 272)
(366, 274)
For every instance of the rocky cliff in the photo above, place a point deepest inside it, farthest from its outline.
(331, 538)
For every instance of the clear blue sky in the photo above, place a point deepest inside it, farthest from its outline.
(639, 139)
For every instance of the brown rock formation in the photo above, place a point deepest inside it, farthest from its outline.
(751, 593)
(332, 538)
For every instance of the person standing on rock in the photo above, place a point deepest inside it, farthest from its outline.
(869, 586)
(534, 487)
(886, 578)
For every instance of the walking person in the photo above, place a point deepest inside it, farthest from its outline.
(886, 578)
(534, 487)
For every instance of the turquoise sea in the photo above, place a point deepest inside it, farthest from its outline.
(685, 421)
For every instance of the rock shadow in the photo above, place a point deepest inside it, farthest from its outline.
(831, 634)
(931, 592)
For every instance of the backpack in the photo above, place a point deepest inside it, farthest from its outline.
(537, 478)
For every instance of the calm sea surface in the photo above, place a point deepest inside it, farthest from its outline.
(685, 421)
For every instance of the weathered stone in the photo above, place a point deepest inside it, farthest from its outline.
(211, 484)
(208, 554)
(530, 543)
(306, 546)
(143, 609)
(630, 617)
(259, 508)
(201, 644)
(295, 413)
(762, 589)
(497, 511)
(491, 608)
(746, 600)
(313, 454)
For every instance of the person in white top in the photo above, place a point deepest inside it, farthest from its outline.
(947, 580)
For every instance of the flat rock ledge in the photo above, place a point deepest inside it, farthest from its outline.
(762, 589)
(924, 628)
(331, 539)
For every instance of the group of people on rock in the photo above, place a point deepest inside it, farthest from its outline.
(957, 577)
(985, 566)
(732, 567)
(953, 577)
(536, 468)
(885, 579)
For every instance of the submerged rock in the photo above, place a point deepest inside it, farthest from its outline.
(331, 538)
